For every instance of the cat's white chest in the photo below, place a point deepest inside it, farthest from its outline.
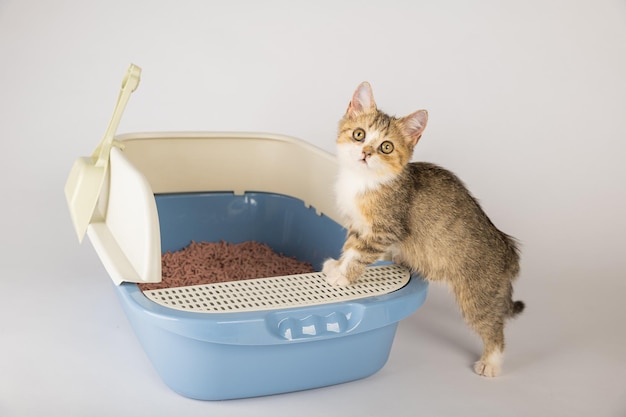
(348, 189)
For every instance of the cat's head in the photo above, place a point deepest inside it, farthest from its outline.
(374, 143)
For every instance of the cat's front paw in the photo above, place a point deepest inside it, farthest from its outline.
(334, 276)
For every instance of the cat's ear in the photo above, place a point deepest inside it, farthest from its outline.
(362, 100)
(413, 126)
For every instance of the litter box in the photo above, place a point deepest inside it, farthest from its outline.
(242, 338)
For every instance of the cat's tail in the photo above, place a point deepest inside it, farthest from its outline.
(516, 308)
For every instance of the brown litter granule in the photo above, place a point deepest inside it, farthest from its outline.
(208, 263)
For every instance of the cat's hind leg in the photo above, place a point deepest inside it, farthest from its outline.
(485, 309)
(492, 333)
(490, 363)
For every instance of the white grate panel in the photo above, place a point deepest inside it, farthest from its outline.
(278, 292)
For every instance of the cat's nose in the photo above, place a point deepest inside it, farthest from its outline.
(367, 151)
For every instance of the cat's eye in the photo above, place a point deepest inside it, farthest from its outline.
(358, 134)
(386, 147)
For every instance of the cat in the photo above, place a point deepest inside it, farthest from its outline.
(422, 216)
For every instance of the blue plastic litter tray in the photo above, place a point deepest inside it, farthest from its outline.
(245, 338)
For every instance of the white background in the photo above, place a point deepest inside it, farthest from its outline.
(527, 103)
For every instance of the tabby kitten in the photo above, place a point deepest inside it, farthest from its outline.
(424, 218)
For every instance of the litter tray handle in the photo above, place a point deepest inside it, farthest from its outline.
(315, 322)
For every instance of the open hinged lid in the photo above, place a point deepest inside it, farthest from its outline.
(125, 233)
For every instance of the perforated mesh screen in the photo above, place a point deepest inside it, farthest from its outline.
(279, 292)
